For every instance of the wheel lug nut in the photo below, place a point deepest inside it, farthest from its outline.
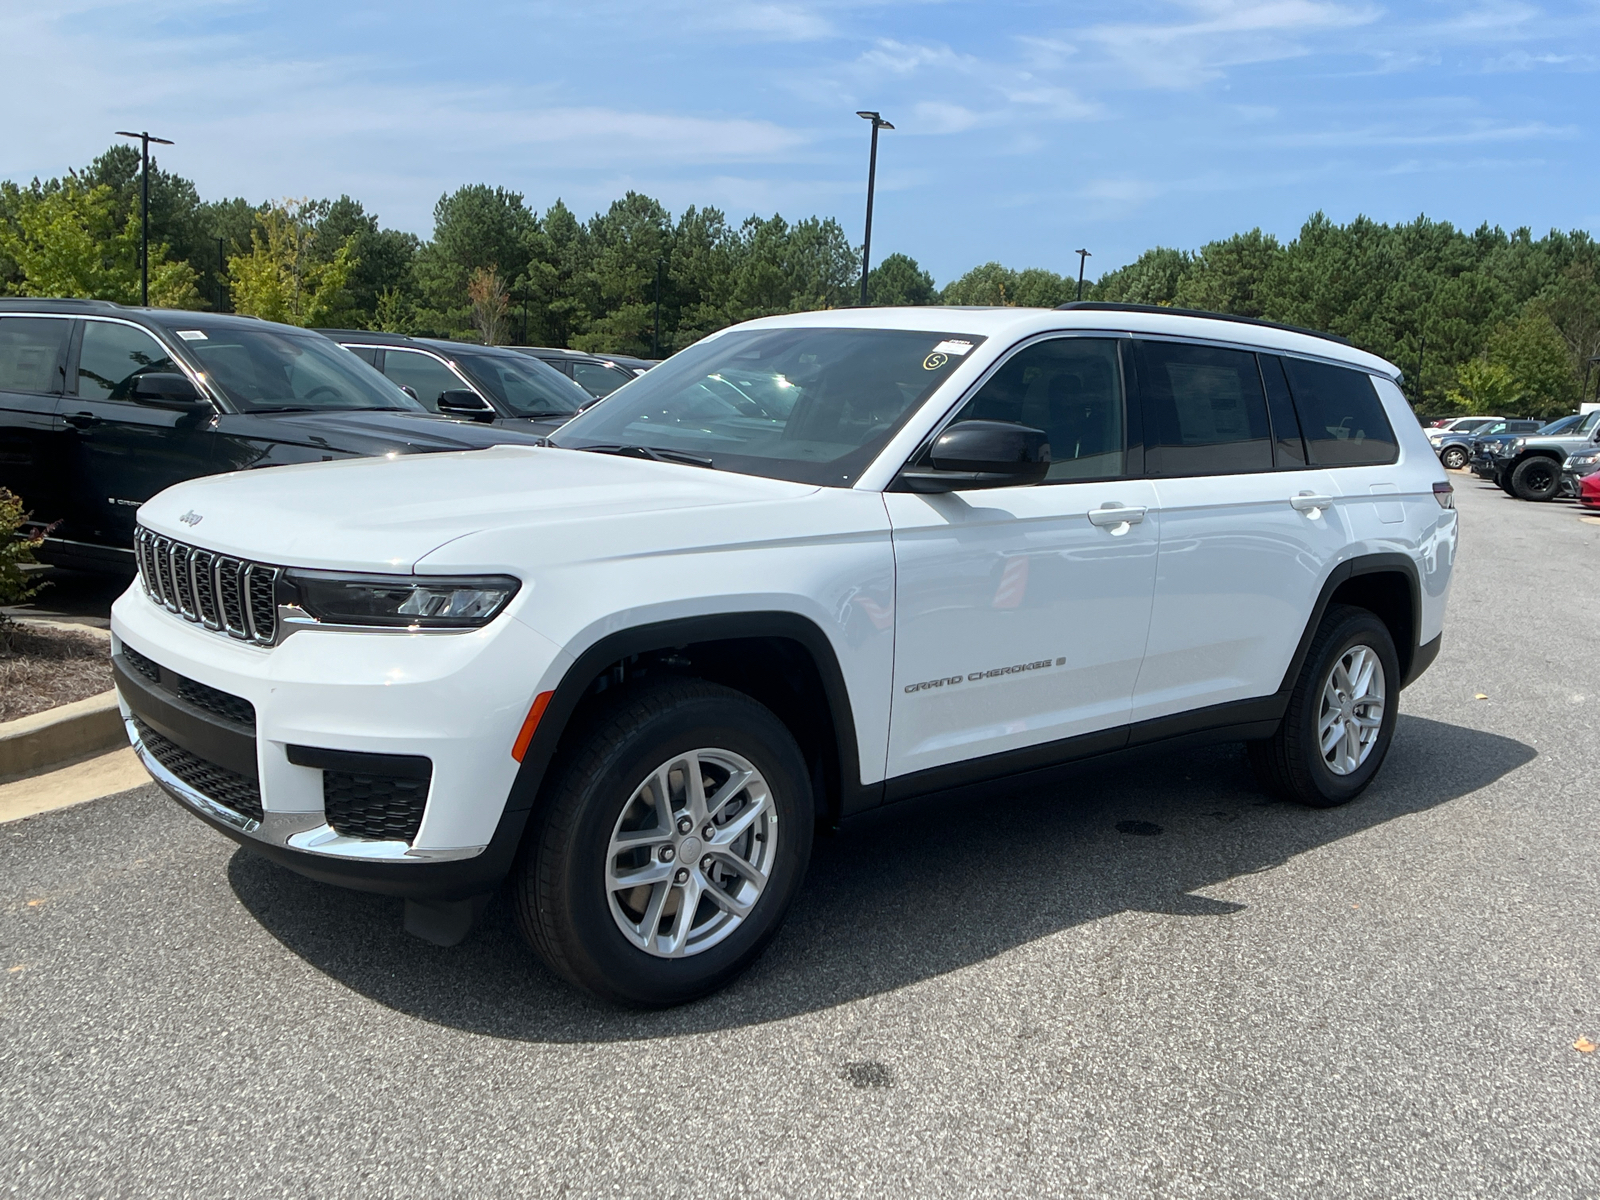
(709, 833)
(685, 824)
(681, 875)
(705, 863)
(667, 854)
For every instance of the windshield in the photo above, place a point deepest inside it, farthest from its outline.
(274, 369)
(526, 386)
(1561, 426)
(812, 405)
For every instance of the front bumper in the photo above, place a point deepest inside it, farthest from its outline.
(327, 714)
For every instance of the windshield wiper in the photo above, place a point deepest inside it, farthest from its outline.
(546, 413)
(651, 452)
(283, 408)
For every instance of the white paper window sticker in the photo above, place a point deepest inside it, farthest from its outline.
(953, 346)
(191, 335)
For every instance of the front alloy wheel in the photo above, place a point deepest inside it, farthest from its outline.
(668, 844)
(691, 853)
(1454, 458)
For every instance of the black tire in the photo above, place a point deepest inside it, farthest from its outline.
(1454, 458)
(1536, 477)
(1503, 482)
(560, 897)
(1290, 764)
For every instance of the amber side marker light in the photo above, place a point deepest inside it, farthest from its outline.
(540, 703)
(1444, 494)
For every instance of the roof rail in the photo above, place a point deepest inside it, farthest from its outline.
(73, 301)
(1162, 310)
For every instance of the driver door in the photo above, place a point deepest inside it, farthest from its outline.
(1021, 613)
(121, 453)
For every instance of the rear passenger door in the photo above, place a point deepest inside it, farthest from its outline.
(1249, 529)
(33, 353)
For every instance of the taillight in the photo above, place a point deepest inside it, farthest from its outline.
(1444, 494)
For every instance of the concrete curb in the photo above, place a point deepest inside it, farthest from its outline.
(59, 735)
(62, 734)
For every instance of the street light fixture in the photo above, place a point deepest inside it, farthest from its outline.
(1083, 257)
(144, 208)
(872, 173)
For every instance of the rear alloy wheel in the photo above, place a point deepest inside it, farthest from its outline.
(1341, 714)
(1454, 458)
(1536, 478)
(675, 833)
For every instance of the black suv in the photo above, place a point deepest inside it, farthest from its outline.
(597, 374)
(492, 384)
(103, 406)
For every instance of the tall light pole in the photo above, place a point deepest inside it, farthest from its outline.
(1083, 257)
(872, 174)
(144, 208)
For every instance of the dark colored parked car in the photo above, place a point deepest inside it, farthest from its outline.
(492, 384)
(1454, 447)
(1486, 449)
(103, 406)
(599, 375)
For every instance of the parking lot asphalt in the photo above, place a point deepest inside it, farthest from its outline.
(1003, 995)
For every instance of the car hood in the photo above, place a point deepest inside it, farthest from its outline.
(383, 514)
(379, 432)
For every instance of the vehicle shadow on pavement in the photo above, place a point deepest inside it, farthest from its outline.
(910, 893)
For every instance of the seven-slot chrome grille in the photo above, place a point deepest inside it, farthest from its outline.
(228, 595)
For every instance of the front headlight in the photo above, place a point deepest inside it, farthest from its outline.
(399, 601)
(1516, 446)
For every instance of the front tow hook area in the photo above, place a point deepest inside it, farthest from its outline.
(444, 922)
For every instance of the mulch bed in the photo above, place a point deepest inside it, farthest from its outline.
(41, 668)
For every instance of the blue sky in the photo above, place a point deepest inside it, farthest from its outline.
(1024, 129)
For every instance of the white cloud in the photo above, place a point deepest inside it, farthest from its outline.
(933, 116)
(1463, 133)
(904, 58)
(779, 22)
(1220, 34)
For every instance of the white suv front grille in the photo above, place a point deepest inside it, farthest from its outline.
(227, 595)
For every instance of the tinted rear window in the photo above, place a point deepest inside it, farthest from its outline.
(1204, 410)
(1340, 415)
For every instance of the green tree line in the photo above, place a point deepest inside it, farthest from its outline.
(1480, 321)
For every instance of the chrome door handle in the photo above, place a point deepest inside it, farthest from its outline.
(1110, 515)
(1306, 502)
(82, 420)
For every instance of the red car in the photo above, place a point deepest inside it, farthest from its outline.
(1589, 490)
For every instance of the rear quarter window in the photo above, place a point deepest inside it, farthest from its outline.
(1341, 417)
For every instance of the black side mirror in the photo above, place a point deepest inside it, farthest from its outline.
(980, 454)
(461, 402)
(168, 389)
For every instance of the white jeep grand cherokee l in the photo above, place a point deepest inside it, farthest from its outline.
(813, 565)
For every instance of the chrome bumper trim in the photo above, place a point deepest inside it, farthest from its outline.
(308, 832)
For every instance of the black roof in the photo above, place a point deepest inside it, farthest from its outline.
(1160, 310)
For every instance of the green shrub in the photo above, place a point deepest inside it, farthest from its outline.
(15, 550)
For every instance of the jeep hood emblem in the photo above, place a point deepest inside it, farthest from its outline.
(191, 518)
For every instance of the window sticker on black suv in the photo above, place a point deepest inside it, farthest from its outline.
(30, 349)
(1340, 415)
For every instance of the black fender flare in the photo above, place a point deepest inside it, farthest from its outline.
(667, 635)
(1412, 661)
